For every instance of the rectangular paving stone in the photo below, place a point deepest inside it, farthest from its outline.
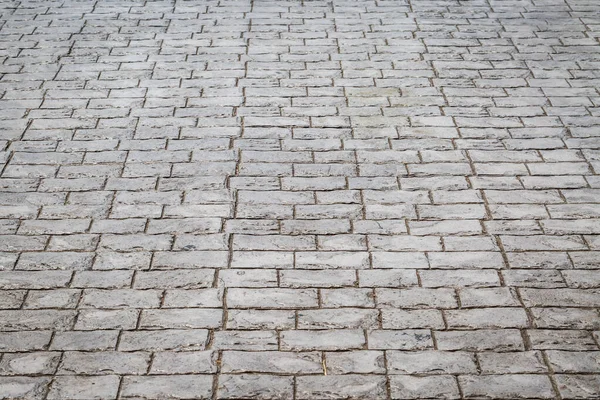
(178, 386)
(340, 386)
(339, 339)
(192, 362)
(430, 362)
(271, 298)
(255, 385)
(361, 362)
(74, 387)
(104, 362)
(517, 386)
(169, 339)
(272, 362)
(435, 386)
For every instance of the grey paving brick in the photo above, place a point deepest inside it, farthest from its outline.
(93, 319)
(272, 362)
(568, 339)
(25, 340)
(430, 362)
(408, 339)
(192, 362)
(322, 340)
(578, 386)
(103, 362)
(337, 318)
(181, 318)
(17, 320)
(261, 319)
(435, 386)
(574, 362)
(360, 362)
(24, 387)
(170, 339)
(75, 387)
(271, 298)
(178, 386)
(340, 386)
(484, 339)
(517, 386)
(255, 386)
(43, 363)
(85, 340)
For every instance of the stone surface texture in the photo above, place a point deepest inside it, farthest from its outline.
(300, 199)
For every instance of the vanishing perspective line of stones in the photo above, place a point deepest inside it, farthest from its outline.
(296, 200)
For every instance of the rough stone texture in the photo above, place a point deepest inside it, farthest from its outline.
(260, 199)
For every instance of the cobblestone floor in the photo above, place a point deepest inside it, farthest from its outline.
(300, 199)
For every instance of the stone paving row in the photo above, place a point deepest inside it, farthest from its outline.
(300, 199)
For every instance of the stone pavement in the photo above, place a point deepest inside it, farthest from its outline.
(300, 199)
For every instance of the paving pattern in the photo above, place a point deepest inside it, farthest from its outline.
(300, 199)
